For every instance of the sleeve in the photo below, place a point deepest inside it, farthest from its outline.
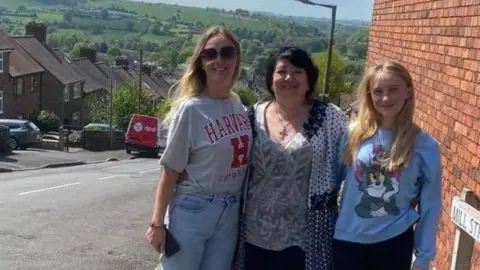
(430, 204)
(340, 128)
(177, 151)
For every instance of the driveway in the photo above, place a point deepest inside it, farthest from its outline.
(33, 158)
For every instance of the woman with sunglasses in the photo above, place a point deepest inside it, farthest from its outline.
(209, 138)
(290, 205)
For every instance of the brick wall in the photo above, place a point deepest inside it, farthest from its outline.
(5, 85)
(439, 42)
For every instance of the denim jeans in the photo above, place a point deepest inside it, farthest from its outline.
(206, 227)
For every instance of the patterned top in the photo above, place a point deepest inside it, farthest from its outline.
(278, 189)
(324, 129)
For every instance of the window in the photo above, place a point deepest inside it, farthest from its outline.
(77, 91)
(76, 118)
(1, 102)
(34, 82)
(67, 91)
(1, 62)
(18, 86)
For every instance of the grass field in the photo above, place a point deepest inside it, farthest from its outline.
(191, 15)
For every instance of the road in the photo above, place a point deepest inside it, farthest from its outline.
(85, 217)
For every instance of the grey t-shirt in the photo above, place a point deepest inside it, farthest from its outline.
(209, 139)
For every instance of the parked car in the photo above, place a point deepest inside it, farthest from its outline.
(145, 134)
(102, 127)
(23, 133)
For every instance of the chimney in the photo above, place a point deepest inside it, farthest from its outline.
(122, 62)
(38, 30)
(89, 53)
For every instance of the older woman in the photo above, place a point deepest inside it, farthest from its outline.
(290, 205)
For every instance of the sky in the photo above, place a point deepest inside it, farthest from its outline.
(346, 9)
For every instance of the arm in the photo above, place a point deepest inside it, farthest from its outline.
(430, 205)
(340, 120)
(174, 160)
(166, 185)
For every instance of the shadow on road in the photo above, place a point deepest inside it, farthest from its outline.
(9, 158)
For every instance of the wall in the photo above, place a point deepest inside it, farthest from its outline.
(26, 104)
(52, 94)
(439, 42)
(5, 84)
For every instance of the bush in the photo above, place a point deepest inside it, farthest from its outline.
(75, 138)
(47, 121)
(247, 96)
(163, 108)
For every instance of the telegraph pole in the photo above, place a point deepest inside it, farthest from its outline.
(140, 81)
(110, 115)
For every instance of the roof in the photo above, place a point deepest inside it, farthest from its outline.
(163, 84)
(94, 78)
(20, 61)
(58, 66)
(147, 84)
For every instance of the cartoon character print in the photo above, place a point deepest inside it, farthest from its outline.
(378, 186)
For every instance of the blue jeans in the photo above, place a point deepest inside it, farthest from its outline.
(206, 227)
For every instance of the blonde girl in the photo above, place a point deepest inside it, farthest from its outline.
(209, 138)
(386, 162)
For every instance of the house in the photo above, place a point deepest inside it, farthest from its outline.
(20, 80)
(63, 87)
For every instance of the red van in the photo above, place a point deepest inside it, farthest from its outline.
(145, 134)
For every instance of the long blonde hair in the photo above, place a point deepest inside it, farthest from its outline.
(193, 80)
(365, 125)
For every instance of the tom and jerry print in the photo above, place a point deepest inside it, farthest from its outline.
(378, 185)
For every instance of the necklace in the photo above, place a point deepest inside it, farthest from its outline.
(283, 133)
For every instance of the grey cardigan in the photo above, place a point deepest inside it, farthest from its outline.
(324, 128)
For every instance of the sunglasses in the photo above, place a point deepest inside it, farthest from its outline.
(225, 53)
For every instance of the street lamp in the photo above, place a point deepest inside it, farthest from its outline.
(330, 42)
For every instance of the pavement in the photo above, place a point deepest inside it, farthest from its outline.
(82, 217)
(41, 158)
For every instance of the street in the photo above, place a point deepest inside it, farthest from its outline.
(84, 217)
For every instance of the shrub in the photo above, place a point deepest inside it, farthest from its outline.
(47, 121)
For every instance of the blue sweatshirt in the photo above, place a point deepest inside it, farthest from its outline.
(376, 204)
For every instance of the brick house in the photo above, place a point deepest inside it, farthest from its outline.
(439, 42)
(21, 81)
(62, 86)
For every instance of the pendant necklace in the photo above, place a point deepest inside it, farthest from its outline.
(283, 132)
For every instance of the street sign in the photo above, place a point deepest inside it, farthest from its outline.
(466, 217)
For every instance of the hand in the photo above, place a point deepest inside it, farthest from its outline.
(182, 176)
(156, 237)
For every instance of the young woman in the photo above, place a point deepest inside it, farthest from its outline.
(209, 138)
(386, 158)
(290, 205)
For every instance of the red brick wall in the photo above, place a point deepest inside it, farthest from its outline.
(439, 42)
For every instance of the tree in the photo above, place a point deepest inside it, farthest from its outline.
(68, 16)
(338, 82)
(163, 108)
(97, 106)
(247, 96)
(125, 100)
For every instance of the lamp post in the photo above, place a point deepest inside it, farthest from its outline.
(330, 42)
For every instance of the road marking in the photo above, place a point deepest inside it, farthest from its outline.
(112, 176)
(47, 189)
(154, 170)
